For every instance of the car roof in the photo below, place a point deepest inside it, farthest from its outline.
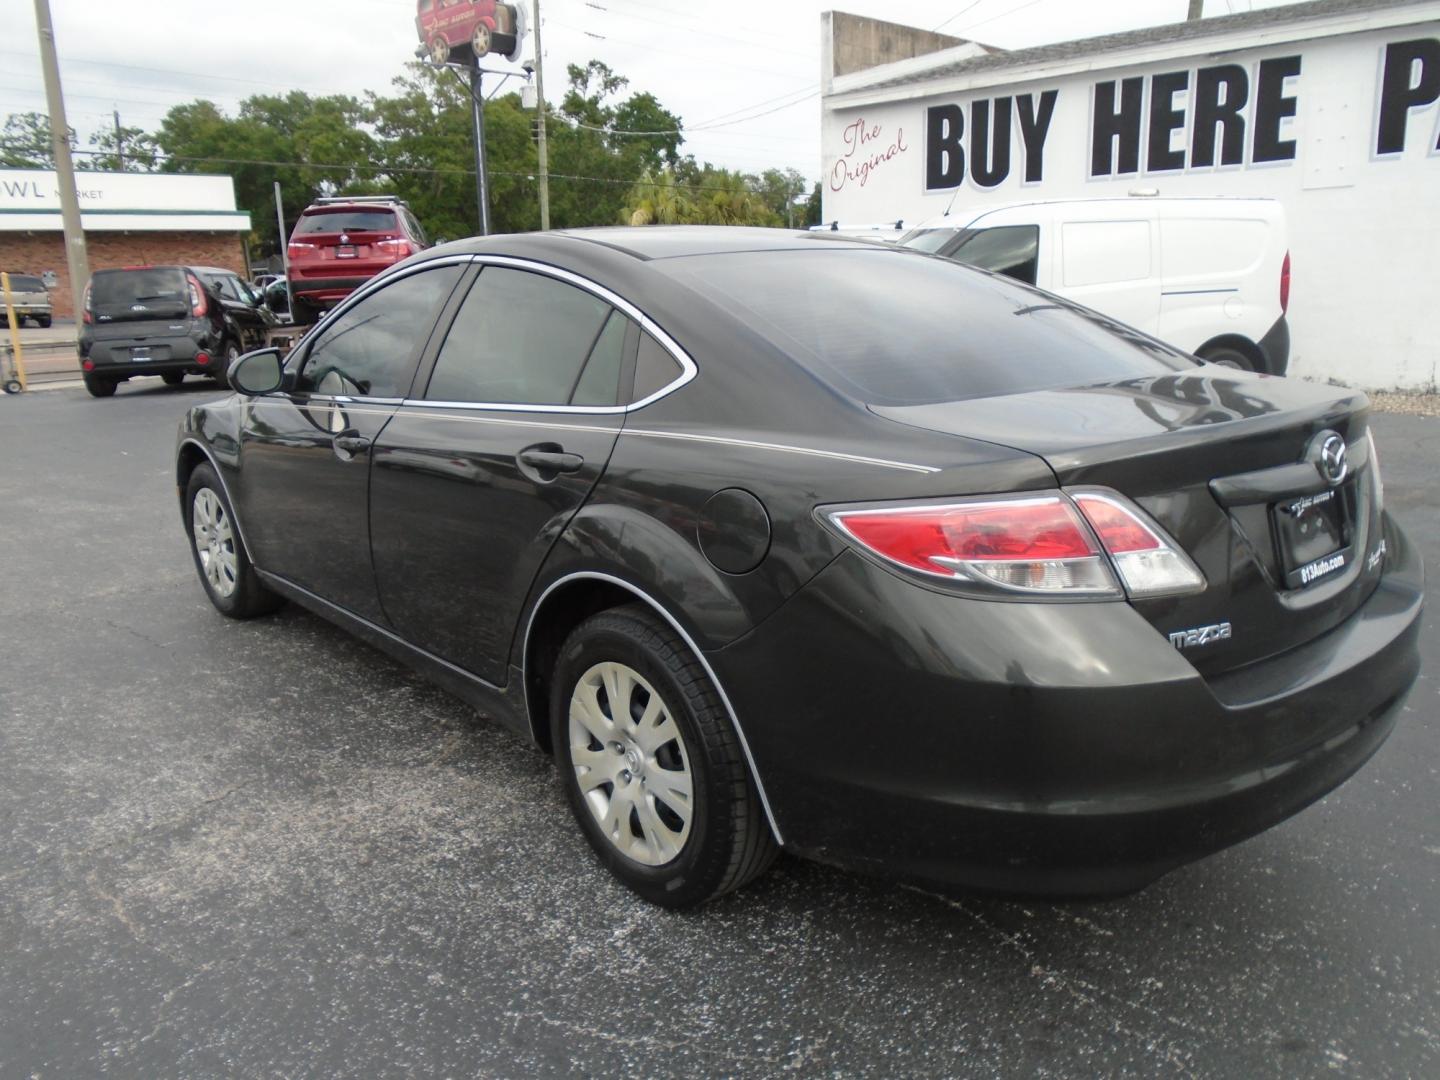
(648, 242)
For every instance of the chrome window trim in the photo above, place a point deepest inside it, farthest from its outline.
(810, 451)
(596, 575)
(688, 370)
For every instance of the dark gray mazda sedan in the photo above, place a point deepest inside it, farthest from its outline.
(800, 542)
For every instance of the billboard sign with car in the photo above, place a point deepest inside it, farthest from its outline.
(462, 30)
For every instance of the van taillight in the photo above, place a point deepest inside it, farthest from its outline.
(198, 304)
(1285, 285)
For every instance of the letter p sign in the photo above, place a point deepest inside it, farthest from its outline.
(1411, 79)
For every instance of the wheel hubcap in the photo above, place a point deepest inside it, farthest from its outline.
(630, 763)
(214, 542)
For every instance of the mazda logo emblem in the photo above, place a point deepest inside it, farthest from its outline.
(1328, 452)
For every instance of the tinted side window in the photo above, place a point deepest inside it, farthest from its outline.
(519, 338)
(600, 381)
(655, 368)
(372, 349)
(1013, 250)
(931, 240)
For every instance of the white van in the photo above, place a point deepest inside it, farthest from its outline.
(1209, 275)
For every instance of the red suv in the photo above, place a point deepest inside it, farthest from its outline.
(339, 244)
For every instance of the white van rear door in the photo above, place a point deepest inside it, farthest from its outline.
(1111, 263)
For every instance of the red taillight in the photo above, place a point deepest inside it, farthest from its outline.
(202, 358)
(398, 247)
(1148, 563)
(1042, 542)
(295, 251)
(198, 304)
(1285, 285)
(88, 365)
(1031, 543)
(89, 314)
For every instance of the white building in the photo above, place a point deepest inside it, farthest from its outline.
(1331, 107)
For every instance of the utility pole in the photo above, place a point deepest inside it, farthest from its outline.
(119, 142)
(477, 115)
(76, 258)
(1197, 8)
(540, 119)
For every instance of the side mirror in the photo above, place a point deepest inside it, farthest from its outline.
(258, 372)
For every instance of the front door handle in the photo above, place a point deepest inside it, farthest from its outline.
(348, 443)
(545, 461)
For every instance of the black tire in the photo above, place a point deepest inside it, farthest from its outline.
(99, 386)
(229, 353)
(172, 378)
(1229, 356)
(249, 597)
(44, 321)
(12, 386)
(729, 842)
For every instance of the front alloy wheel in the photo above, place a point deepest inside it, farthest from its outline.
(219, 550)
(650, 763)
(214, 543)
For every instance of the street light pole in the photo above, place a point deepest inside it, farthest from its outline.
(477, 114)
(540, 119)
(76, 257)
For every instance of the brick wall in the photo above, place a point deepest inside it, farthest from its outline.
(36, 252)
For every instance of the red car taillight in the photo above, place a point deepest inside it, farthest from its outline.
(394, 247)
(296, 251)
(1148, 562)
(198, 304)
(1285, 285)
(1040, 543)
(89, 313)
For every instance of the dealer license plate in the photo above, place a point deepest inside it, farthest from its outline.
(139, 352)
(1313, 532)
(345, 251)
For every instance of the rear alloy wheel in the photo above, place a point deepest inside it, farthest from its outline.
(225, 569)
(480, 40)
(99, 386)
(650, 764)
(439, 51)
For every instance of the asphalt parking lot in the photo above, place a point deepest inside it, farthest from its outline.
(263, 849)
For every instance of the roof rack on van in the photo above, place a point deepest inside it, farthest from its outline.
(330, 200)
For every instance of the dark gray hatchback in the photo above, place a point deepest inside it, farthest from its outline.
(801, 542)
(170, 321)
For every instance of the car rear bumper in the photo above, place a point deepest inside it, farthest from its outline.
(1047, 748)
(114, 358)
(319, 289)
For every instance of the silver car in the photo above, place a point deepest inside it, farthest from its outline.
(30, 299)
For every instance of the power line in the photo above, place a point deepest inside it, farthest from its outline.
(992, 18)
(952, 18)
(376, 170)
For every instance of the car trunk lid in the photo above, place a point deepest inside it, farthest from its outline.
(1227, 464)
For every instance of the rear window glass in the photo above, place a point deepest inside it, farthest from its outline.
(138, 286)
(897, 328)
(346, 221)
(26, 283)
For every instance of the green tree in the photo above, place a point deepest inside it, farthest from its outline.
(25, 142)
(128, 150)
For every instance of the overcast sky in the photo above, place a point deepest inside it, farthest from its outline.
(707, 62)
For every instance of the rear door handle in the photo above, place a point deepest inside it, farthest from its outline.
(548, 458)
